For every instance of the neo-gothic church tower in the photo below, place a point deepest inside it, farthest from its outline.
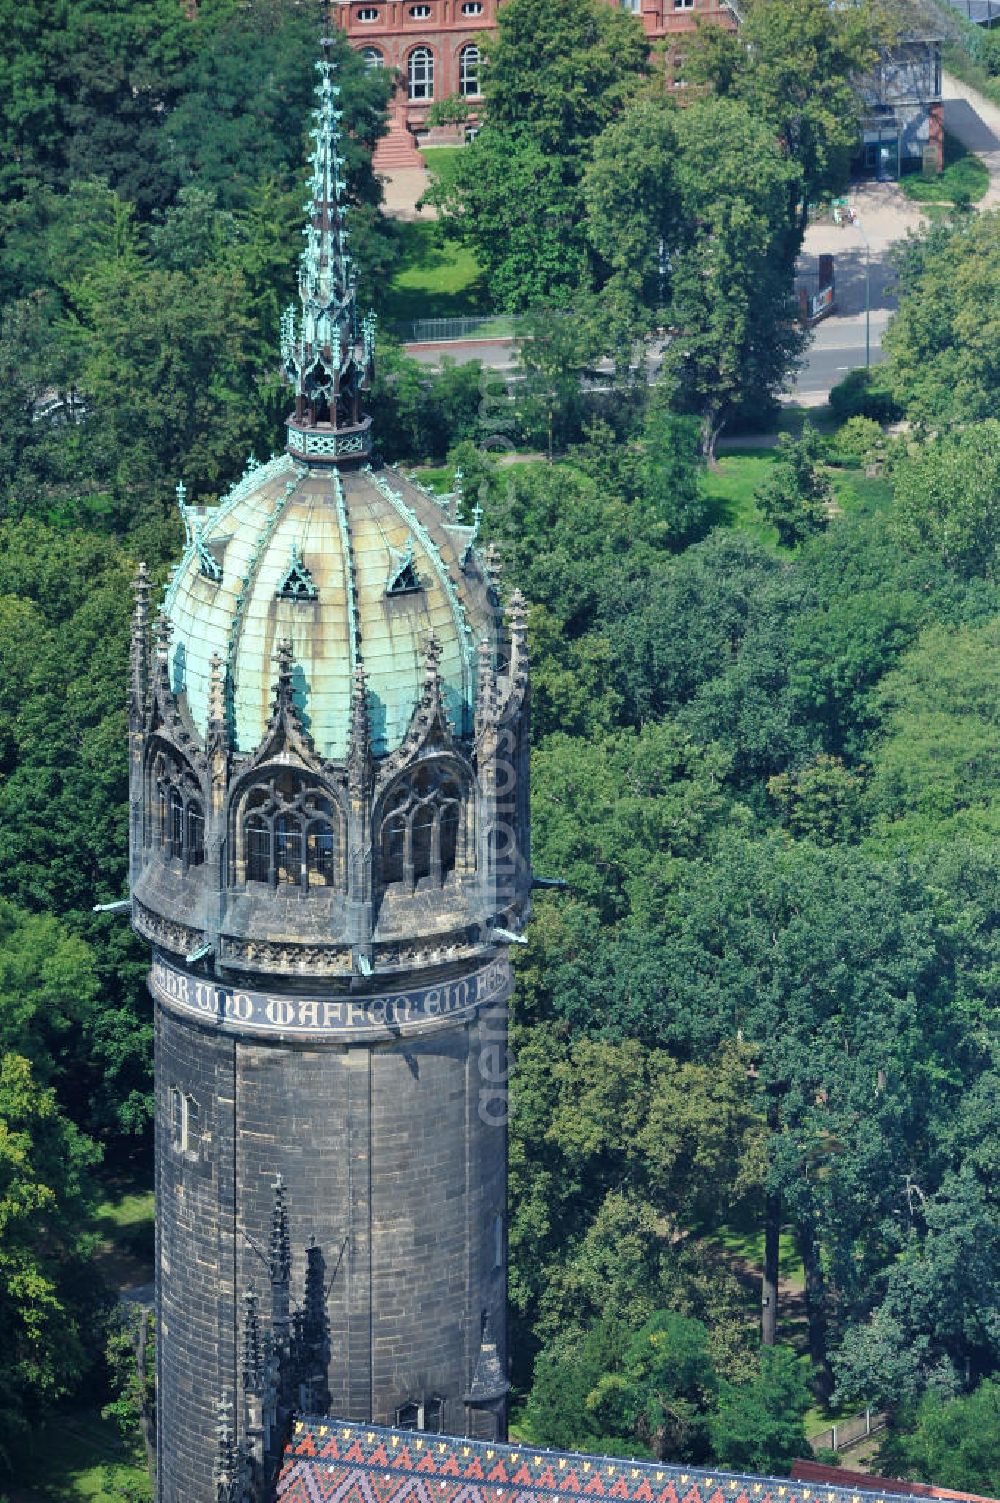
(329, 856)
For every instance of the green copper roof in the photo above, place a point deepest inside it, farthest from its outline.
(347, 532)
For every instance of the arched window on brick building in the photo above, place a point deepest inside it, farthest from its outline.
(420, 73)
(468, 71)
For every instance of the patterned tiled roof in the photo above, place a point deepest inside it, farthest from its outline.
(327, 1461)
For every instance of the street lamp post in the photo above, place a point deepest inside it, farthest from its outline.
(868, 294)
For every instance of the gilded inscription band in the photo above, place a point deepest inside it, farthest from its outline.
(241, 1011)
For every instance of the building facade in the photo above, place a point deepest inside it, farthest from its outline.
(433, 46)
(903, 125)
(328, 724)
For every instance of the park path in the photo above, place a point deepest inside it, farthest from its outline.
(975, 121)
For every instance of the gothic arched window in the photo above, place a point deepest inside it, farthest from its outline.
(468, 71)
(178, 823)
(423, 835)
(420, 73)
(291, 833)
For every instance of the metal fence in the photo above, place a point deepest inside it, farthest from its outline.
(848, 1432)
(449, 330)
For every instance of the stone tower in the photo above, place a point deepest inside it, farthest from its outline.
(329, 856)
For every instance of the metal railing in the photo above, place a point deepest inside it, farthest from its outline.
(848, 1432)
(449, 330)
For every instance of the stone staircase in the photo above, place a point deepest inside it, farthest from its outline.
(397, 150)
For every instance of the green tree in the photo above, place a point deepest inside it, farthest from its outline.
(943, 360)
(64, 615)
(631, 200)
(796, 497)
(508, 199)
(730, 276)
(795, 63)
(948, 498)
(552, 352)
(758, 1426)
(934, 761)
(561, 70)
(954, 1442)
(671, 477)
(121, 75)
(656, 1386)
(246, 98)
(131, 1359)
(44, 1202)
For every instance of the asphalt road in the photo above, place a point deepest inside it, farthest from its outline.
(838, 346)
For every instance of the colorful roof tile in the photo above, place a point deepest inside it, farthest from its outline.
(327, 1461)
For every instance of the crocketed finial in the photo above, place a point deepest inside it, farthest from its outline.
(283, 687)
(162, 630)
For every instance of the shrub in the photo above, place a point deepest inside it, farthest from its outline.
(862, 394)
(858, 438)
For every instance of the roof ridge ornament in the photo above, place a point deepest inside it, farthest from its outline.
(359, 750)
(327, 353)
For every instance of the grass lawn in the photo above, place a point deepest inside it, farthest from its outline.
(435, 277)
(78, 1457)
(441, 161)
(730, 490)
(124, 1223)
(964, 176)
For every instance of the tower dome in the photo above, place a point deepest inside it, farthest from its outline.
(351, 567)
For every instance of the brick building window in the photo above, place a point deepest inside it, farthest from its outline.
(420, 73)
(367, 13)
(468, 71)
(372, 57)
(683, 4)
(633, 6)
(420, 12)
(472, 8)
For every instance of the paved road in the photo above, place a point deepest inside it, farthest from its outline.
(838, 347)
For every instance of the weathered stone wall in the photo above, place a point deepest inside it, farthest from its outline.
(394, 1158)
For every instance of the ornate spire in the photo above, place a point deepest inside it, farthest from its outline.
(253, 1351)
(218, 728)
(492, 563)
(488, 1384)
(314, 1352)
(280, 1260)
(139, 686)
(161, 633)
(359, 750)
(280, 1268)
(327, 354)
(226, 1463)
(486, 689)
(284, 701)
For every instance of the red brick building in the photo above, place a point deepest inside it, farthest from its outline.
(432, 45)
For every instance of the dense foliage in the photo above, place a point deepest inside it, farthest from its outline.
(768, 774)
